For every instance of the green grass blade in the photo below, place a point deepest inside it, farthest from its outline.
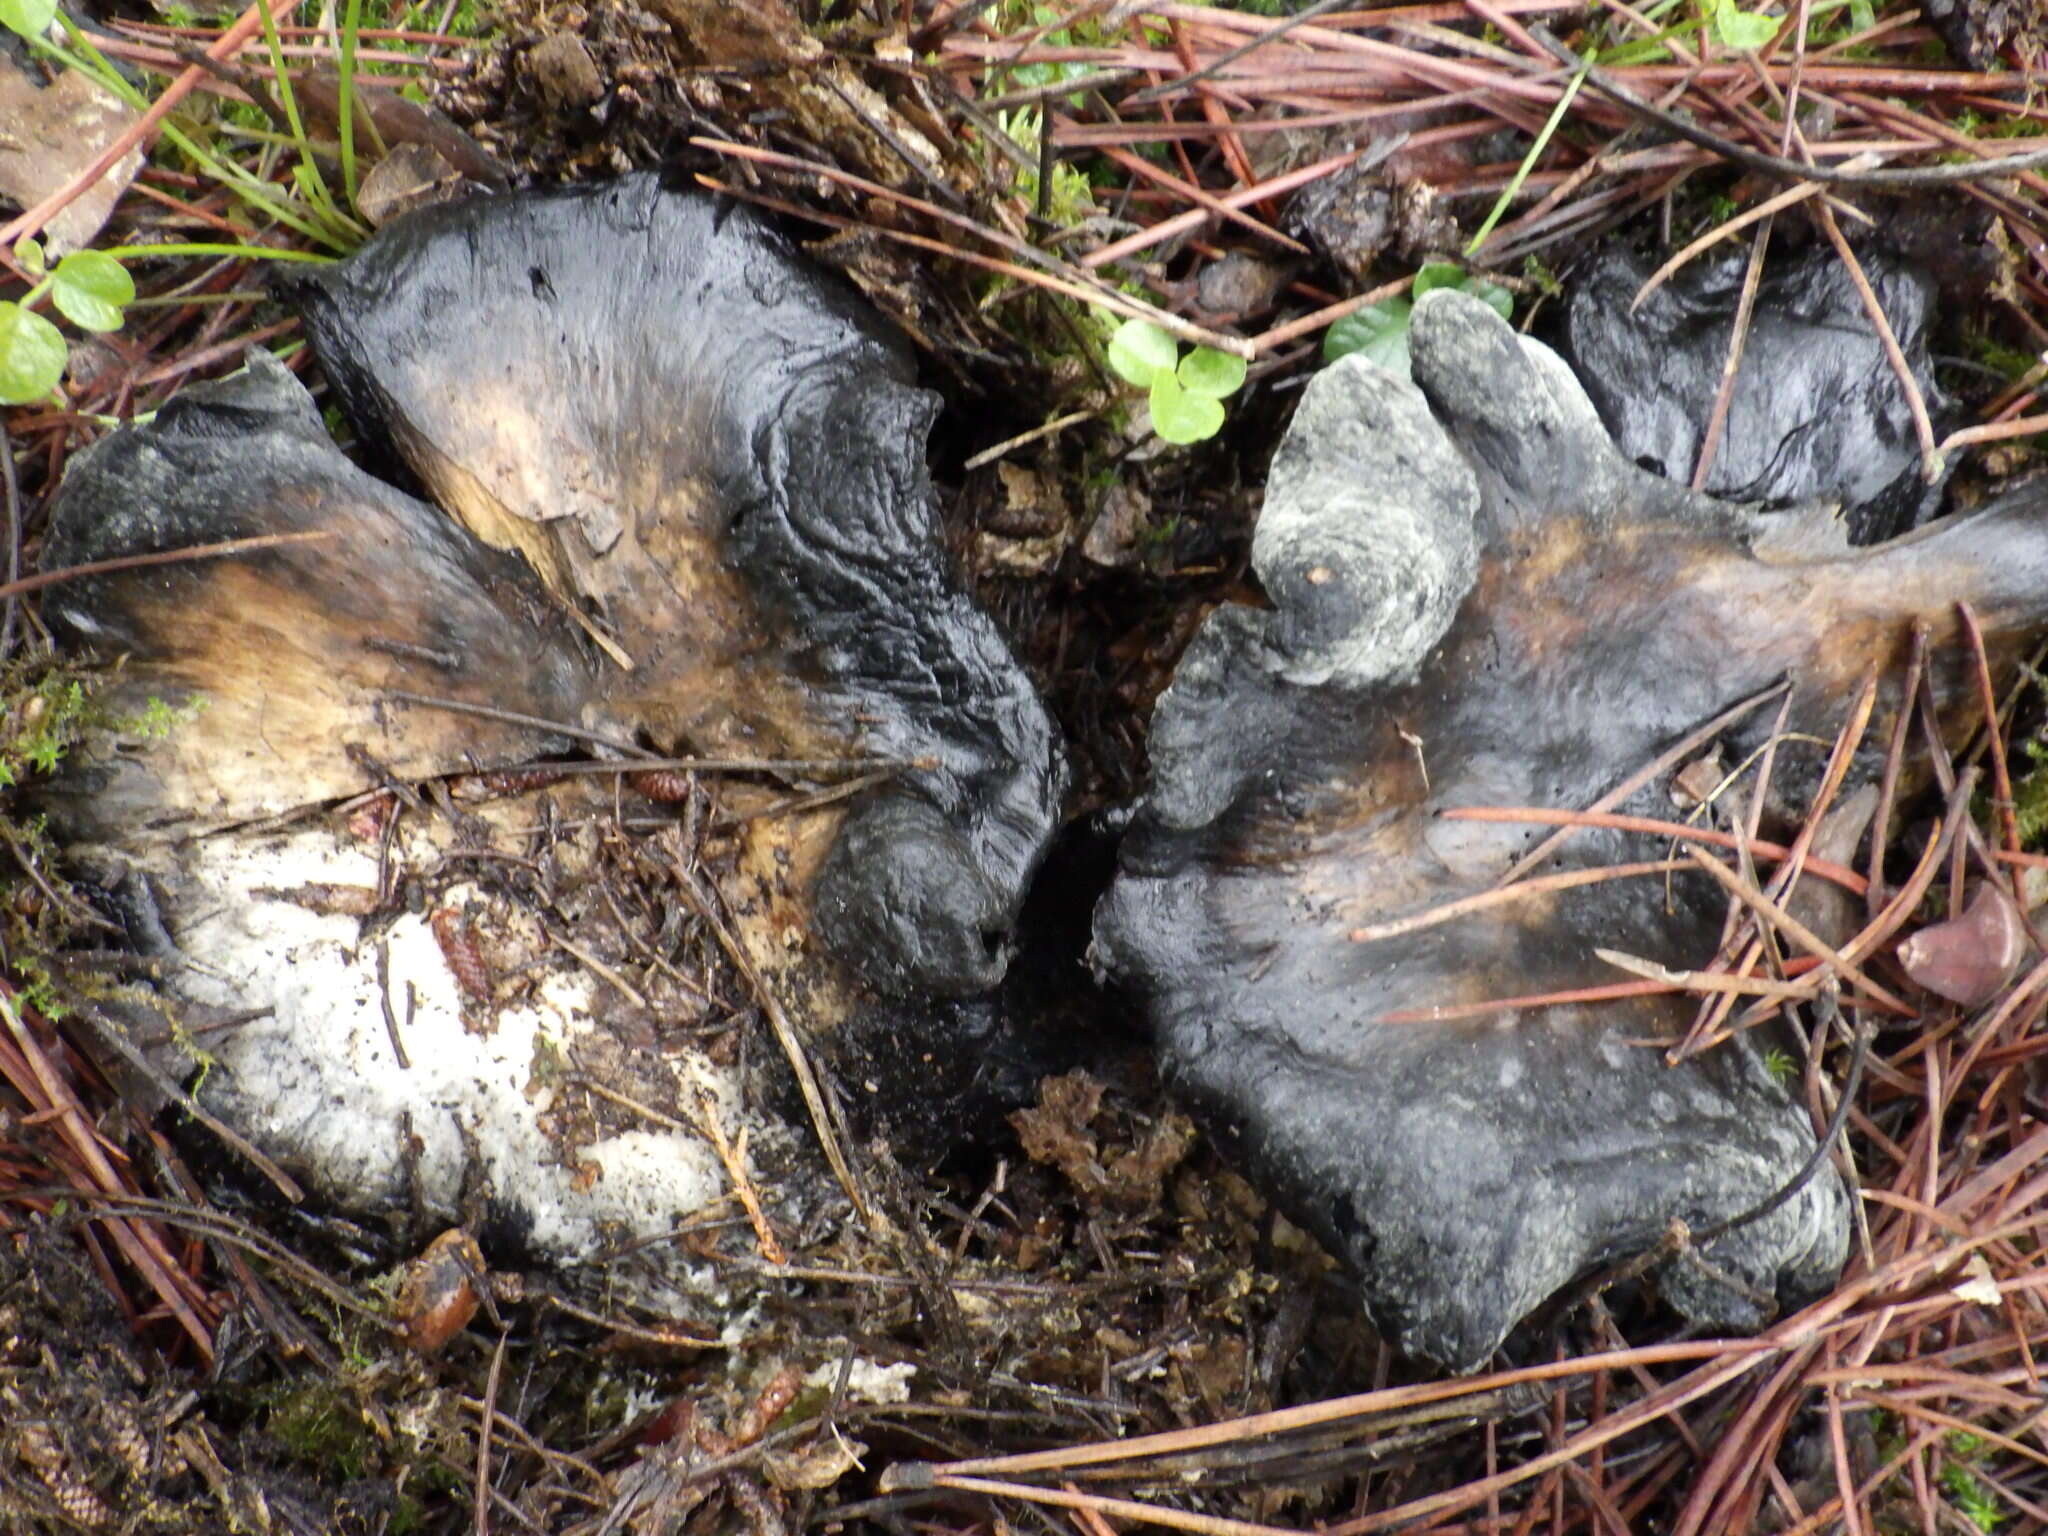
(93, 66)
(90, 62)
(1509, 192)
(210, 248)
(257, 193)
(351, 22)
(312, 184)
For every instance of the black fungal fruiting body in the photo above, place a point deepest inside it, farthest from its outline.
(278, 666)
(1478, 602)
(1816, 413)
(690, 511)
(709, 464)
(721, 454)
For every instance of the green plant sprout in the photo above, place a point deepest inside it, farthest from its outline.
(1072, 198)
(39, 726)
(88, 288)
(1737, 28)
(1380, 331)
(1540, 277)
(92, 289)
(1186, 393)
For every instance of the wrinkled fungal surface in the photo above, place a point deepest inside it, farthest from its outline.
(294, 650)
(255, 688)
(1816, 413)
(1477, 601)
(721, 456)
(692, 514)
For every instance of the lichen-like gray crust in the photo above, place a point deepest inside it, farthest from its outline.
(1365, 571)
(1477, 601)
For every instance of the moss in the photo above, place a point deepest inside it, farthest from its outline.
(319, 1426)
(1972, 1498)
(2030, 796)
(43, 717)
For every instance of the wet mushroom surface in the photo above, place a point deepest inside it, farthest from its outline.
(1477, 602)
(732, 482)
(339, 800)
(1816, 412)
(674, 508)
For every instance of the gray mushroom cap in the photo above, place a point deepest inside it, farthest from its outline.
(1477, 601)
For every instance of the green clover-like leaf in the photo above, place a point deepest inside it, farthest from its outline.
(1380, 331)
(29, 252)
(1742, 29)
(31, 18)
(90, 289)
(1492, 295)
(1437, 274)
(1180, 416)
(1141, 351)
(32, 355)
(1206, 371)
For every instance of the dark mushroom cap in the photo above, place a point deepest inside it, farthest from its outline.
(720, 453)
(1477, 601)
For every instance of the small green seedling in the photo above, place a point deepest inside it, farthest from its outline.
(89, 288)
(1187, 393)
(1380, 331)
(1737, 28)
(30, 18)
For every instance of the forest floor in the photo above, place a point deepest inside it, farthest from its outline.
(1087, 1322)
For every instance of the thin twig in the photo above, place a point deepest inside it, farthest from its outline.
(115, 1038)
(1731, 365)
(1859, 1052)
(10, 489)
(1894, 763)
(597, 967)
(733, 1156)
(1670, 757)
(1718, 233)
(1992, 432)
(391, 1029)
(1792, 928)
(1891, 178)
(2001, 776)
(704, 905)
(639, 753)
(1059, 273)
(1011, 444)
(485, 1432)
(31, 221)
(1271, 34)
(26, 584)
(1497, 895)
(1916, 403)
